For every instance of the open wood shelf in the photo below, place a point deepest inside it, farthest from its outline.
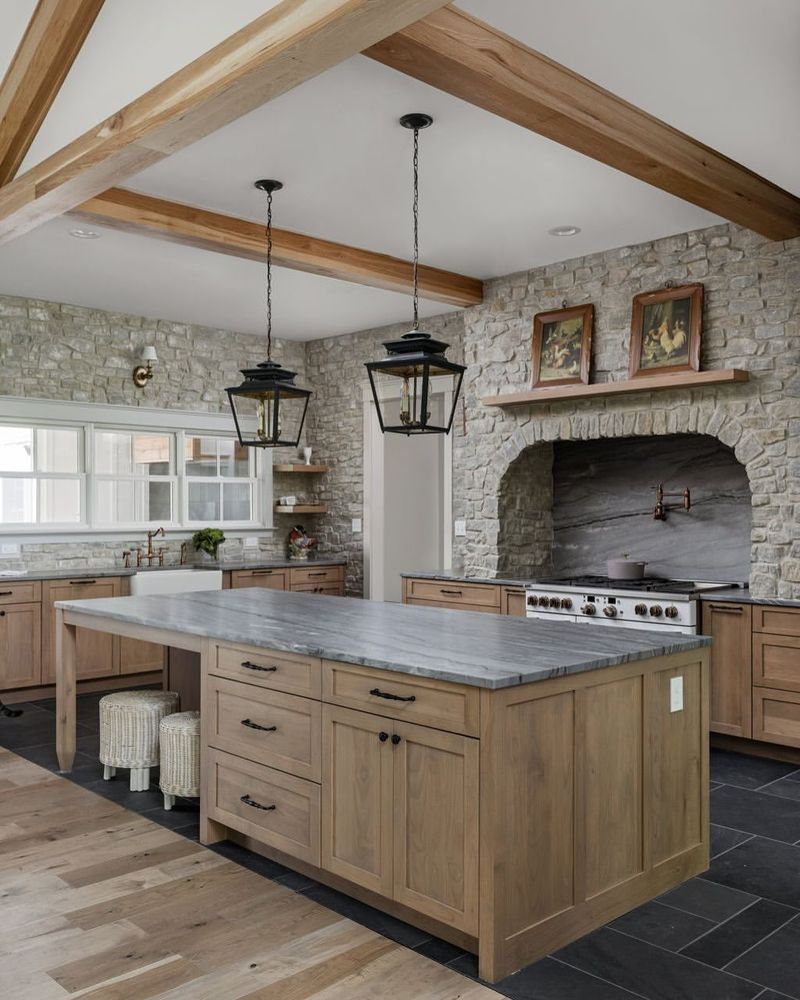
(646, 383)
(300, 468)
(302, 508)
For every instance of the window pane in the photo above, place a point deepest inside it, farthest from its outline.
(17, 501)
(16, 449)
(60, 501)
(151, 455)
(201, 456)
(134, 501)
(234, 460)
(113, 451)
(236, 502)
(159, 502)
(204, 502)
(57, 449)
(114, 501)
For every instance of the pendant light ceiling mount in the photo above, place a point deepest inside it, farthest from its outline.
(268, 393)
(416, 361)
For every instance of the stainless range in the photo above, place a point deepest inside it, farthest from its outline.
(651, 603)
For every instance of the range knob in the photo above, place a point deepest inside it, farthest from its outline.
(610, 611)
(671, 611)
(554, 602)
(589, 609)
(566, 603)
(543, 602)
(655, 610)
(640, 609)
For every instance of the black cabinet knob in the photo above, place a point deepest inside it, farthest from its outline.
(383, 737)
(395, 739)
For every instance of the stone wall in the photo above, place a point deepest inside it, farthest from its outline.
(751, 321)
(54, 351)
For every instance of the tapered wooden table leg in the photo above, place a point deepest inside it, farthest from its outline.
(65, 692)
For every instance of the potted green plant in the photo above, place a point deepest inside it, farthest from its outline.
(206, 543)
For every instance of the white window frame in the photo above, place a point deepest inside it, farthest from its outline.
(36, 475)
(89, 417)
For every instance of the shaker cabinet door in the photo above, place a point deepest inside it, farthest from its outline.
(731, 667)
(20, 645)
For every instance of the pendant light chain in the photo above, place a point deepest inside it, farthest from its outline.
(269, 275)
(416, 228)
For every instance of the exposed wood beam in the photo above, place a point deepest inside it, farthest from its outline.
(132, 212)
(54, 36)
(291, 43)
(465, 57)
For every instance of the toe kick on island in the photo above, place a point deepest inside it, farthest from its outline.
(505, 784)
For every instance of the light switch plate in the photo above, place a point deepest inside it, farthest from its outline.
(676, 694)
(251, 542)
(460, 528)
(356, 525)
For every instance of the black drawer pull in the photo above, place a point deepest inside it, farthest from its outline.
(323, 572)
(391, 697)
(254, 666)
(6, 593)
(254, 725)
(450, 593)
(262, 572)
(81, 583)
(255, 805)
(2, 614)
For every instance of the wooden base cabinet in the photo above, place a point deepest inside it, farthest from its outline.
(20, 645)
(730, 625)
(299, 579)
(510, 826)
(98, 652)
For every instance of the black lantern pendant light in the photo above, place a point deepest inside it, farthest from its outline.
(416, 360)
(268, 393)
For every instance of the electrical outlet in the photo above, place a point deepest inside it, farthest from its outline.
(356, 525)
(9, 549)
(460, 528)
(676, 694)
(251, 542)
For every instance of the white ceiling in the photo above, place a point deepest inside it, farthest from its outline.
(725, 71)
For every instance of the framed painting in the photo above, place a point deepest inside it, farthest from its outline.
(665, 331)
(562, 346)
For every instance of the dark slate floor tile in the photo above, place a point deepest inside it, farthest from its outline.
(723, 839)
(183, 813)
(741, 932)
(772, 995)
(85, 767)
(707, 899)
(552, 980)
(786, 788)
(250, 860)
(651, 972)
(89, 744)
(368, 916)
(756, 812)
(467, 965)
(775, 962)
(663, 925)
(32, 730)
(118, 790)
(761, 867)
(297, 882)
(440, 951)
(745, 771)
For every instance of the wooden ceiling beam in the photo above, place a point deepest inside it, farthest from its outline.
(54, 36)
(289, 44)
(457, 53)
(132, 212)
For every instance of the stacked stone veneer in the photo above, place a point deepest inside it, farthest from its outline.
(752, 321)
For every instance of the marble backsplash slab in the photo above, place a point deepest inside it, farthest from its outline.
(603, 500)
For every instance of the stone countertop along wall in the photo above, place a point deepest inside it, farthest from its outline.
(56, 351)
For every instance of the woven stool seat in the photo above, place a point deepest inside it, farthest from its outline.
(129, 723)
(180, 756)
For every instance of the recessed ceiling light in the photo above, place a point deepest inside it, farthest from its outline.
(84, 234)
(564, 230)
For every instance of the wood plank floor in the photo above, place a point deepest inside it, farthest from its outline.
(98, 902)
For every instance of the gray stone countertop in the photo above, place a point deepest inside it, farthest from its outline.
(483, 650)
(736, 594)
(85, 573)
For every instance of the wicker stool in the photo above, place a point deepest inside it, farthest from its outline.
(180, 756)
(129, 732)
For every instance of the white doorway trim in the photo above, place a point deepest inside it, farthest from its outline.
(374, 526)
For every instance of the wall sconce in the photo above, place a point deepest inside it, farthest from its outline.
(144, 372)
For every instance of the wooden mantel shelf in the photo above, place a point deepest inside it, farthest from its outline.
(646, 383)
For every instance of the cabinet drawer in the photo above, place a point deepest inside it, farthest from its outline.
(268, 727)
(335, 589)
(777, 620)
(455, 594)
(266, 668)
(274, 808)
(269, 579)
(491, 609)
(20, 593)
(453, 707)
(776, 716)
(776, 661)
(513, 602)
(309, 575)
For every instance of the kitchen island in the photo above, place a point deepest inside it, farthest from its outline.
(506, 784)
